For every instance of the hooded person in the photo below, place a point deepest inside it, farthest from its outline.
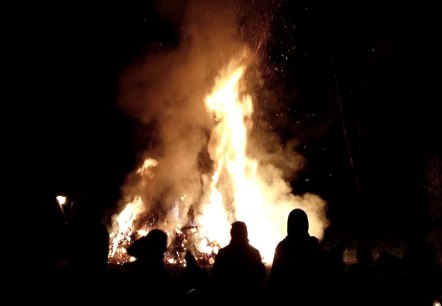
(238, 270)
(298, 264)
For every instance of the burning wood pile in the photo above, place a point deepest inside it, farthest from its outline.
(198, 99)
(186, 238)
(239, 187)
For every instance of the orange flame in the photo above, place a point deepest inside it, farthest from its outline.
(241, 188)
(123, 229)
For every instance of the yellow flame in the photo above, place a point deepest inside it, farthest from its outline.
(148, 164)
(120, 236)
(62, 200)
(227, 148)
(238, 191)
(241, 188)
(123, 231)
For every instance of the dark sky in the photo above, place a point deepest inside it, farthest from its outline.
(377, 62)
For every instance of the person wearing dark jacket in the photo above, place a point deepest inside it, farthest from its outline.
(238, 270)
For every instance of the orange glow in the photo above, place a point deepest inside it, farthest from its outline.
(240, 188)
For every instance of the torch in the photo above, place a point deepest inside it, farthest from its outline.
(64, 204)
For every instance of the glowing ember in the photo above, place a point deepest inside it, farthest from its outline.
(242, 186)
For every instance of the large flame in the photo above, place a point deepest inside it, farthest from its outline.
(244, 196)
(240, 188)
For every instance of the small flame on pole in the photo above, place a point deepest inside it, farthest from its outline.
(61, 199)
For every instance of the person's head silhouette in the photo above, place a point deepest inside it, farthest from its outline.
(239, 232)
(153, 245)
(190, 259)
(297, 223)
(364, 255)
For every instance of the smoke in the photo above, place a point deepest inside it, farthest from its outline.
(166, 90)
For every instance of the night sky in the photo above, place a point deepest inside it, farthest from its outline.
(374, 65)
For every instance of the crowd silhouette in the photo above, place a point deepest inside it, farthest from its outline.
(88, 251)
(303, 272)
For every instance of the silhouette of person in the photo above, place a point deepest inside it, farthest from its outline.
(89, 248)
(148, 273)
(337, 272)
(41, 249)
(389, 282)
(361, 278)
(238, 270)
(193, 279)
(422, 278)
(299, 266)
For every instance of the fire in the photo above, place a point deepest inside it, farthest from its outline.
(241, 187)
(121, 236)
(62, 200)
(228, 143)
(123, 231)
